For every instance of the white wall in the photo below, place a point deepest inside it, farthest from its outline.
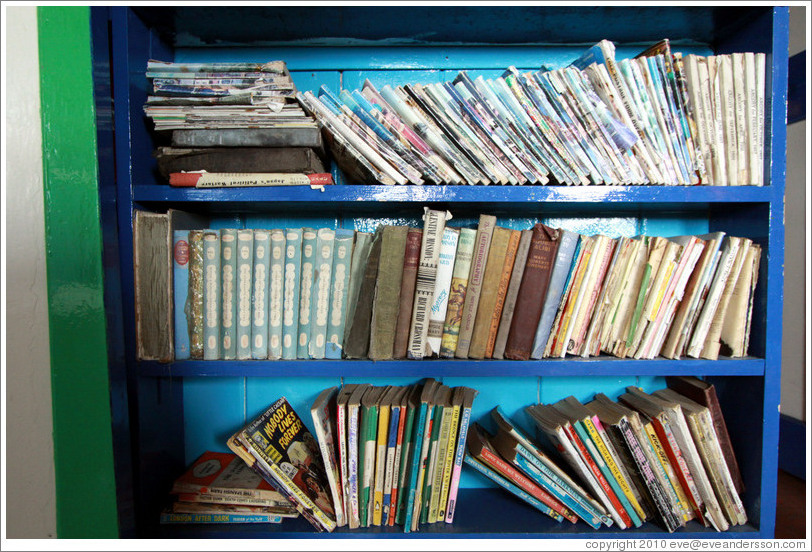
(793, 372)
(30, 496)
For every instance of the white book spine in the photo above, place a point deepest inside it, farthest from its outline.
(320, 296)
(439, 305)
(276, 293)
(245, 263)
(761, 60)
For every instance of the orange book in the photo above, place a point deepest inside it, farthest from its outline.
(501, 291)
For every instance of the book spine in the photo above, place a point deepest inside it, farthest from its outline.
(431, 464)
(383, 323)
(380, 466)
(683, 474)
(366, 464)
(411, 260)
(245, 269)
(479, 259)
(290, 301)
(398, 469)
(309, 244)
(442, 286)
(406, 455)
(341, 442)
(259, 318)
(391, 452)
(457, 291)
(434, 224)
(229, 498)
(228, 271)
(489, 292)
(342, 256)
(194, 303)
(509, 308)
(320, 294)
(211, 295)
(501, 291)
(356, 338)
(324, 435)
(180, 283)
(224, 517)
(531, 294)
(352, 467)
(465, 420)
(685, 510)
(276, 294)
(555, 289)
(448, 463)
(245, 180)
(414, 483)
(504, 483)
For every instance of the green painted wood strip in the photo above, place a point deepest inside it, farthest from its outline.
(83, 449)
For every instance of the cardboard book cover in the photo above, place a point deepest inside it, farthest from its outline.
(279, 438)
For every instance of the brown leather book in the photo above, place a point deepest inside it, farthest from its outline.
(489, 292)
(512, 294)
(387, 293)
(704, 393)
(356, 342)
(532, 291)
(410, 261)
(501, 290)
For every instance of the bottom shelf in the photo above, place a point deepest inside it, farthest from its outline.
(481, 513)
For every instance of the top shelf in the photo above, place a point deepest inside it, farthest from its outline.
(353, 194)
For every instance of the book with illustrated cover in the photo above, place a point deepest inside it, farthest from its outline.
(245, 291)
(457, 291)
(442, 287)
(324, 421)
(320, 294)
(228, 286)
(282, 445)
(339, 292)
(276, 276)
(211, 295)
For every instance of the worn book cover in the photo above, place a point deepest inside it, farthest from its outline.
(339, 292)
(489, 292)
(244, 291)
(244, 159)
(367, 447)
(411, 259)
(511, 295)
(407, 452)
(386, 299)
(228, 286)
(290, 301)
(275, 293)
(211, 295)
(501, 291)
(354, 454)
(259, 298)
(360, 253)
(180, 292)
(194, 300)
(396, 406)
(381, 452)
(457, 290)
(356, 335)
(279, 440)
(323, 411)
(309, 246)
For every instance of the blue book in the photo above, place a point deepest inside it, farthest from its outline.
(505, 484)
(245, 268)
(275, 294)
(320, 294)
(259, 300)
(419, 452)
(593, 54)
(228, 282)
(329, 100)
(211, 295)
(290, 301)
(309, 242)
(339, 290)
(558, 277)
(180, 275)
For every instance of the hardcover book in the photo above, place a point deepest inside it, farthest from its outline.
(442, 286)
(324, 422)
(228, 285)
(320, 294)
(194, 301)
(356, 336)
(482, 244)
(276, 293)
(259, 300)
(180, 283)
(211, 295)
(309, 246)
(411, 259)
(383, 323)
(290, 301)
(512, 294)
(456, 296)
(339, 292)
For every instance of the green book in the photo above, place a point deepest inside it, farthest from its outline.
(440, 397)
(367, 446)
(406, 452)
(387, 293)
(356, 339)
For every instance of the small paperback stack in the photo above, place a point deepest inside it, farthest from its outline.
(660, 456)
(394, 453)
(220, 488)
(657, 119)
(233, 124)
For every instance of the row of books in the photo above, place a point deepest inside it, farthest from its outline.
(385, 455)
(219, 487)
(654, 119)
(661, 457)
(489, 292)
(232, 124)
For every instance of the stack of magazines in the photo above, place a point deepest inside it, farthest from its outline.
(654, 119)
(225, 118)
(663, 457)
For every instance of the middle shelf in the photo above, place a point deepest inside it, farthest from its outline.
(601, 366)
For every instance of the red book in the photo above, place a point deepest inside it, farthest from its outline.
(480, 448)
(241, 180)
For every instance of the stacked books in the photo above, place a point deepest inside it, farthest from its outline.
(654, 119)
(659, 456)
(439, 291)
(662, 457)
(220, 488)
(233, 124)
(393, 454)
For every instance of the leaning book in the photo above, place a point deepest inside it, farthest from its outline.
(288, 453)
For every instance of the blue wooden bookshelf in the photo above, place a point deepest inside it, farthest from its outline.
(165, 415)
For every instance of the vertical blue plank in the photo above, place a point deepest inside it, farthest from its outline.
(213, 409)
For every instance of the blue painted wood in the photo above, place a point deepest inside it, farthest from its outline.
(749, 388)
(455, 368)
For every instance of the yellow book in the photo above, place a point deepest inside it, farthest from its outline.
(448, 467)
(380, 454)
(440, 462)
(685, 509)
(559, 347)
